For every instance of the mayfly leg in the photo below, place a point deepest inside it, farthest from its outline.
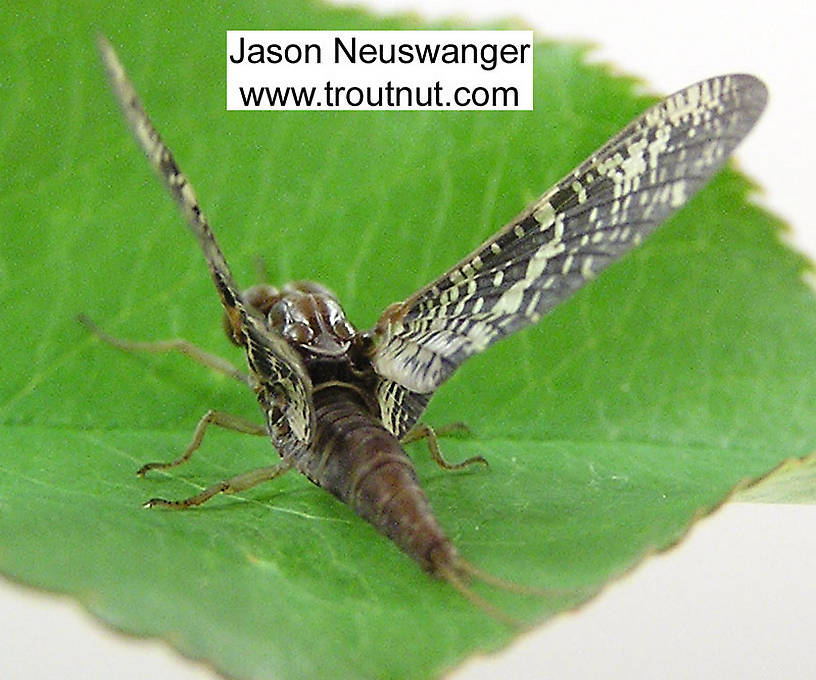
(219, 418)
(227, 421)
(186, 348)
(425, 431)
(242, 482)
(211, 417)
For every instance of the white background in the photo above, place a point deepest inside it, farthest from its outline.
(737, 599)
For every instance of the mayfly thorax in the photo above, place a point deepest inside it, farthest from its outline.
(339, 403)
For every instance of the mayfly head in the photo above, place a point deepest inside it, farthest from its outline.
(306, 314)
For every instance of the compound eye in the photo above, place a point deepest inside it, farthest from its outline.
(298, 333)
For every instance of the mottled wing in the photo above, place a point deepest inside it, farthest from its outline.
(285, 388)
(400, 407)
(592, 217)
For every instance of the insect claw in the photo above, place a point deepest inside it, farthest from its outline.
(471, 461)
(147, 467)
(85, 320)
(163, 503)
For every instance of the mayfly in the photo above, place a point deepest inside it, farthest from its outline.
(339, 403)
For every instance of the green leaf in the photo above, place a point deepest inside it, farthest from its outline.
(610, 427)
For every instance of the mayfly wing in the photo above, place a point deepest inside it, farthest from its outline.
(282, 376)
(597, 213)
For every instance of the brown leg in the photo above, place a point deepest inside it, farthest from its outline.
(425, 431)
(232, 485)
(225, 420)
(197, 354)
(235, 484)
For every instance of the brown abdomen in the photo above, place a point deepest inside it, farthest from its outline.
(355, 458)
